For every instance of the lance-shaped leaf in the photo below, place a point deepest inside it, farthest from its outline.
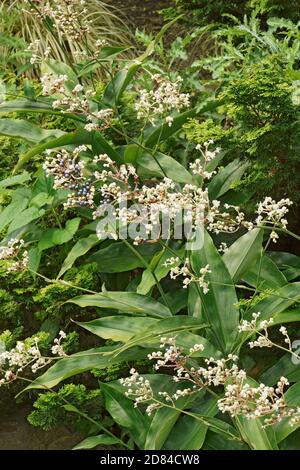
(242, 253)
(97, 358)
(168, 326)
(118, 328)
(123, 412)
(79, 249)
(224, 180)
(127, 302)
(27, 130)
(219, 304)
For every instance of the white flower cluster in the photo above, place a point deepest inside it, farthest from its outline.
(258, 402)
(187, 273)
(38, 55)
(273, 213)
(27, 354)
(77, 101)
(67, 171)
(161, 100)
(240, 398)
(198, 167)
(263, 340)
(69, 17)
(12, 250)
(57, 348)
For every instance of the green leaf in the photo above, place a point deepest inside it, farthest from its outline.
(14, 180)
(160, 271)
(106, 54)
(276, 302)
(168, 326)
(288, 262)
(242, 253)
(24, 218)
(219, 304)
(94, 441)
(57, 236)
(97, 358)
(224, 180)
(215, 441)
(292, 398)
(194, 302)
(26, 130)
(127, 302)
(119, 83)
(118, 257)
(283, 367)
(255, 435)
(118, 328)
(164, 131)
(123, 412)
(189, 433)
(265, 275)
(161, 165)
(12, 211)
(77, 137)
(28, 106)
(34, 260)
(79, 249)
(60, 68)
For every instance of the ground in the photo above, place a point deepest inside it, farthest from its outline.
(142, 13)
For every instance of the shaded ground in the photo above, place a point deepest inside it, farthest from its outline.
(143, 14)
(17, 434)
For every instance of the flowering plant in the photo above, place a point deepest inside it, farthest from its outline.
(180, 264)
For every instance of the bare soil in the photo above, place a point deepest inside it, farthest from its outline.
(142, 14)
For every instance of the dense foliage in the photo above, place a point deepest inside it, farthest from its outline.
(143, 301)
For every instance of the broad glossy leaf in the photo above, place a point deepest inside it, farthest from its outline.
(127, 302)
(177, 300)
(189, 433)
(286, 367)
(215, 441)
(107, 53)
(77, 137)
(119, 83)
(257, 437)
(59, 236)
(164, 131)
(157, 265)
(15, 180)
(288, 262)
(118, 257)
(276, 302)
(60, 68)
(223, 181)
(25, 217)
(241, 255)
(123, 412)
(168, 326)
(94, 441)
(79, 249)
(28, 106)
(12, 211)
(97, 358)
(265, 274)
(283, 429)
(118, 328)
(219, 304)
(26, 130)
(161, 165)
(194, 302)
